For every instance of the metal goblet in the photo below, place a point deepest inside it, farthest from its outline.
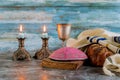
(63, 32)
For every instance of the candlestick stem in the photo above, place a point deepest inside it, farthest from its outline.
(21, 42)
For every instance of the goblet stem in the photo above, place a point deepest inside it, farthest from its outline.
(63, 43)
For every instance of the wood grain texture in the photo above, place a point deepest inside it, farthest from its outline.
(31, 70)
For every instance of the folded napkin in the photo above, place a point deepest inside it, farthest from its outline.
(112, 63)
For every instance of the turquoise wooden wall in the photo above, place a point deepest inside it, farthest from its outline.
(33, 14)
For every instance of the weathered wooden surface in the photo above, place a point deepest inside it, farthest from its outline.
(10, 70)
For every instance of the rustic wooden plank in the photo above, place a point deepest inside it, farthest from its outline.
(31, 70)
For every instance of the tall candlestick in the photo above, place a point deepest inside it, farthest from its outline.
(44, 52)
(21, 53)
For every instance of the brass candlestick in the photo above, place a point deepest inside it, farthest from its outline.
(21, 53)
(44, 51)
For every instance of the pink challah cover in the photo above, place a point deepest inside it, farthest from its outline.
(68, 53)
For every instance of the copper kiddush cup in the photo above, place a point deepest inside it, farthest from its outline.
(63, 32)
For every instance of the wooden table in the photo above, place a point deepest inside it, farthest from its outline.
(31, 70)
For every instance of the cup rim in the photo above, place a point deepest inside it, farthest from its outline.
(64, 24)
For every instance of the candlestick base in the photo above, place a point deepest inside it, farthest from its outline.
(44, 51)
(21, 53)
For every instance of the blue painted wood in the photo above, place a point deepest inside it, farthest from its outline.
(36, 13)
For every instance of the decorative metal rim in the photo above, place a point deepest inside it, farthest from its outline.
(64, 24)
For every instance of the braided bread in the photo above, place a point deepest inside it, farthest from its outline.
(97, 54)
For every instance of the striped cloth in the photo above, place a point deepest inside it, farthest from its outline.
(111, 65)
(81, 41)
(104, 42)
(116, 39)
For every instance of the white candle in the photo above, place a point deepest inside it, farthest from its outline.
(44, 34)
(21, 34)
